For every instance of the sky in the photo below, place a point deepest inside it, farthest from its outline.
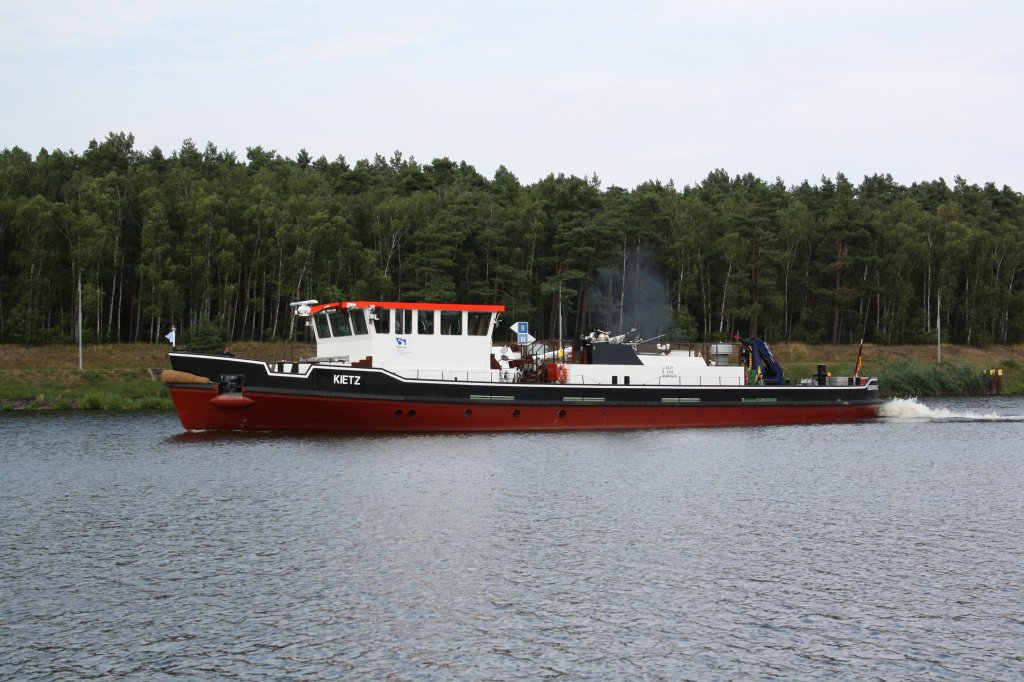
(628, 91)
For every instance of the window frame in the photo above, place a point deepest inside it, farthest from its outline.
(358, 322)
(478, 323)
(450, 318)
(337, 318)
(323, 325)
(425, 324)
(382, 325)
(403, 321)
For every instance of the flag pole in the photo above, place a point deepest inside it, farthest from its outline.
(79, 318)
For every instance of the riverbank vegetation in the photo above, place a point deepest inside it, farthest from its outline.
(125, 376)
(201, 237)
(91, 389)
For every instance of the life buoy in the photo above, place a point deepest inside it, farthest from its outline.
(563, 374)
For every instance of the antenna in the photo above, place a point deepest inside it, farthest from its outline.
(302, 308)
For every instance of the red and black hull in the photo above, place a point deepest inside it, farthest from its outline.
(345, 399)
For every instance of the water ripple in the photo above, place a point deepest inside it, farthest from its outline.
(887, 550)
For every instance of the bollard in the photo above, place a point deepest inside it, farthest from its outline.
(995, 381)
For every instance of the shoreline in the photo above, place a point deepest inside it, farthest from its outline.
(125, 377)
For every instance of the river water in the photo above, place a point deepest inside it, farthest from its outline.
(884, 550)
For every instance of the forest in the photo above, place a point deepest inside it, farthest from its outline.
(201, 239)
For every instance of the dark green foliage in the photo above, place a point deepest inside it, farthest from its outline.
(206, 337)
(217, 247)
(907, 378)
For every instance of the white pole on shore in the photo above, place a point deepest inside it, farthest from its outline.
(79, 318)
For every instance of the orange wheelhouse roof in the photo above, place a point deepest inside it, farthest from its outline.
(346, 305)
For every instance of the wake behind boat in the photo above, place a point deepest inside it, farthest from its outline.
(429, 367)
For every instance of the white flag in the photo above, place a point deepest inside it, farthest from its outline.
(170, 337)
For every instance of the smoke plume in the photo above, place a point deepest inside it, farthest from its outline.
(631, 294)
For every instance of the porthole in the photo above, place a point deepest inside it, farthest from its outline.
(561, 414)
(398, 413)
(468, 413)
(515, 414)
(412, 413)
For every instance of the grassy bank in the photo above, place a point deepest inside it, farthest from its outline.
(905, 371)
(115, 377)
(89, 389)
(118, 377)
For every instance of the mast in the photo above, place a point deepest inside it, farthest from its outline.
(561, 349)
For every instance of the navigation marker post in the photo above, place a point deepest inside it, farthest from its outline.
(522, 332)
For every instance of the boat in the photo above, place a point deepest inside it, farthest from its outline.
(430, 367)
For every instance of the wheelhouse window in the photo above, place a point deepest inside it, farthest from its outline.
(382, 321)
(323, 326)
(426, 321)
(358, 321)
(403, 322)
(478, 324)
(451, 322)
(340, 325)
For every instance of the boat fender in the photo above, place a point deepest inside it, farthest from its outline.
(171, 376)
(232, 401)
(563, 374)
